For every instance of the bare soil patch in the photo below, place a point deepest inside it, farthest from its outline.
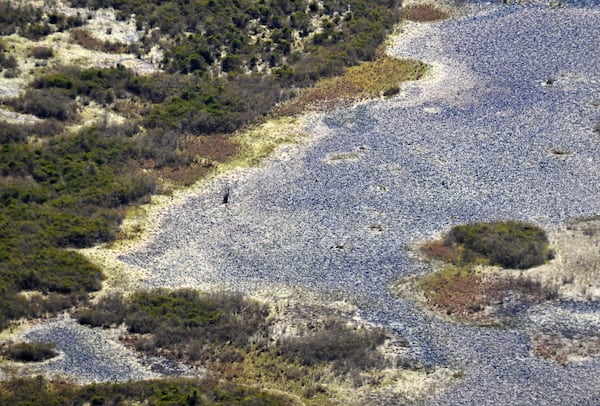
(424, 13)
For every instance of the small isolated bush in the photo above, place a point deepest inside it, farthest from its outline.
(109, 311)
(42, 52)
(6, 61)
(510, 244)
(348, 349)
(391, 91)
(30, 352)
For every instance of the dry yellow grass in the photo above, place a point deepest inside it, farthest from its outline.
(382, 76)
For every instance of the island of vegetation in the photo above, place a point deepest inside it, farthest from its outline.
(493, 273)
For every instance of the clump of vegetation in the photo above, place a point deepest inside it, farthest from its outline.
(40, 391)
(461, 288)
(465, 291)
(181, 321)
(346, 348)
(32, 22)
(30, 352)
(424, 13)
(15, 15)
(8, 62)
(510, 244)
(41, 52)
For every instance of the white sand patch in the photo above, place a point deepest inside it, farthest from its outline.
(576, 269)
(17, 118)
(94, 114)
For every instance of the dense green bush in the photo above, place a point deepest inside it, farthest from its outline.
(64, 192)
(30, 352)
(510, 244)
(217, 106)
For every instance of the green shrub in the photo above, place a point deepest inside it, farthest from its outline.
(30, 352)
(50, 103)
(510, 244)
(180, 318)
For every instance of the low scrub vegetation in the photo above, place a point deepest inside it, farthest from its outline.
(183, 321)
(30, 352)
(231, 337)
(67, 191)
(381, 76)
(509, 244)
(465, 291)
(82, 37)
(33, 22)
(463, 288)
(39, 391)
(346, 348)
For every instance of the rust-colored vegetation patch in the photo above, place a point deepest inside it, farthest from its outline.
(467, 287)
(439, 251)
(82, 37)
(219, 148)
(204, 152)
(454, 290)
(369, 79)
(481, 295)
(560, 348)
(424, 13)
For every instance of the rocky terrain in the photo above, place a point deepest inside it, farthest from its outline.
(502, 128)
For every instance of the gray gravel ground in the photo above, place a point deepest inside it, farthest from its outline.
(473, 142)
(96, 355)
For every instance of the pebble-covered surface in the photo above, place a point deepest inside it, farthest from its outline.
(96, 355)
(472, 142)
